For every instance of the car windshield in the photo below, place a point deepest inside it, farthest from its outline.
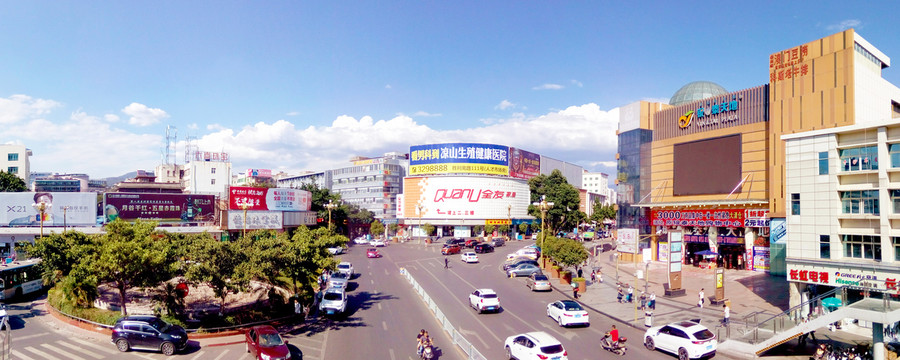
(540, 278)
(573, 307)
(339, 275)
(489, 296)
(372, 250)
(344, 266)
(160, 325)
(270, 340)
(552, 349)
(704, 335)
(333, 296)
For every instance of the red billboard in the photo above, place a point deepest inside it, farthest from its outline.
(524, 164)
(718, 217)
(159, 207)
(275, 199)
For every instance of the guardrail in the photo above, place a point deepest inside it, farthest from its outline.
(458, 339)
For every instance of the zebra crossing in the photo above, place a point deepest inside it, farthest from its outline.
(79, 349)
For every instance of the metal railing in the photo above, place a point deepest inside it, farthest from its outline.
(458, 338)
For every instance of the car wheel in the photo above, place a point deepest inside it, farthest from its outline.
(122, 345)
(683, 354)
(167, 348)
(648, 343)
(559, 321)
(509, 354)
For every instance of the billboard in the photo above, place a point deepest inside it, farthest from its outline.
(459, 158)
(259, 199)
(464, 197)
(159, 207)
(62, 208)
(524, 164)
(255, 220)
(627, 241)
(265, 173)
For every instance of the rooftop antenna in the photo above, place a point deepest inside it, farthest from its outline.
(171, 136)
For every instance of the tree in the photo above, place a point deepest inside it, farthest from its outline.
(376, 228)
(215, 264)
(322, 196)
(428, 228)
(523, 228)
(307, 254)
(9, 182)
(393, 228)
(603, 212)
(564, 196)
(568, 252)
(489, 229)
(60, 253)
(477, 229)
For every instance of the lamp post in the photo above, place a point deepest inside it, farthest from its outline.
(65, 213)
(617, 266)
(42, 208)
(244, 206)
(419, 208)
(509, 217)
(330, 205)
(543, 205)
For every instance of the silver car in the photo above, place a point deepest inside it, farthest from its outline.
(524, 270)
(339, 280)
(538, 281)
(334, 301)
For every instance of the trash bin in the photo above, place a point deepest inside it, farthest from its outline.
(648, 318)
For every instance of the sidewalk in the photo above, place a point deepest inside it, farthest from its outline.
(748, 292)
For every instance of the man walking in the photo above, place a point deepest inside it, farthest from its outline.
(446, 263)
(727, 313)
(700, 302)
(575, 290)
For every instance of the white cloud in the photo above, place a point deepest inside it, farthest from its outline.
(388, 86)
(548, 87)
(214, 127)
(141, 115)
(844, 25)
(17, 108)
(292, 113)
(426, 114)
(111, 118)
(577, 83)
(505, 104)
(193, 126)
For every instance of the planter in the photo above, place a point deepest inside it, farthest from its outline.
(554, 271)
(565, 277)
(428, 240)
(582, 285)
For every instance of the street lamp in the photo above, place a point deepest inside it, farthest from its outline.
(42, 207)
(419, 207)
(65, 210)
(330, 205)
(245, 205)
(543, 205)
(509, 217)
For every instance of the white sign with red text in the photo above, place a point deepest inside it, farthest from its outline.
(466, 197)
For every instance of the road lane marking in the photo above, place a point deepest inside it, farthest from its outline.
(384, 325)
(43, 355)
(379, 306)
(83, 351)
(391, 351)
(20, 338)
(199, 354)
(221, 355)
(62, 352)
(95, 346)
(21, 355)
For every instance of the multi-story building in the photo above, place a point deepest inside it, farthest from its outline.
(169, 173)
(253, 177)
(207, 173)
(372, 183)
(61, 183)
(598, 183)
(16, 159)
(320, 179)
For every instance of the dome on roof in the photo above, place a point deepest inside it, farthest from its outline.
(697, 90)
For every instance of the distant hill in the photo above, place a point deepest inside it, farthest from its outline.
(110, 181)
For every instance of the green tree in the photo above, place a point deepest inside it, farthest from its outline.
(569, 252)
(523, 228)
(215, 264)
(11, 183)
(603, 212)
(504, 229)
(321, 197)
(376, 228)
(60, 253)
(428, 228)
(564, 196)
(393, 228)
(477, 229)
(489, 229)
(306, 256)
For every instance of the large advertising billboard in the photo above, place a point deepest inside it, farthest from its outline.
(524, 164)
(61, 208)
(459, 158)
(271, 220)
(159, 207)
(276, 199)
(461, 197)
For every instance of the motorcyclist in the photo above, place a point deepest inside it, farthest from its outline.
(614, 336)
(420, 346)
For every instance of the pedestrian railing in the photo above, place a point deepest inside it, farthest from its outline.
(458, 338)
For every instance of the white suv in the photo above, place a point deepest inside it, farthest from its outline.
(334, 301)
(535, 345)
(484, 300)
(346, 268)
(687, 339)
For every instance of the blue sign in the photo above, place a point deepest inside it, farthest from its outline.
(459, 153)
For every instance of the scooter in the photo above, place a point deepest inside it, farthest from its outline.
(428, 352)
(618, 348)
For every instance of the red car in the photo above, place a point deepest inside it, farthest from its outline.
(451, 249)
(373, 253)
(264, 342)
(471, 243)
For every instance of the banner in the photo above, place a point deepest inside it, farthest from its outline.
(159, 207)
(465, 197)
(523, 164)
(722, 217)
(61, 208)
(255, 220)
(627, 241)
(461, 158)
(260, 199)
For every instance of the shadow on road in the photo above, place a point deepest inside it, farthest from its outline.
(359, 301)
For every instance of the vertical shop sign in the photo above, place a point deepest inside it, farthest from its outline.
(675, 256)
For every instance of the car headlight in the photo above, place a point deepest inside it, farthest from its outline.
(265, 357)
(176, 337)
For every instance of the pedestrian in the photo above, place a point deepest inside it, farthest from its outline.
(652, 303)
(643, 300)
(599, 276)
(619, 294)
(727, 312)
(700, 302)
(630, 296)
(580, 273)
(593, 276)
(446, 263)
(575, 290)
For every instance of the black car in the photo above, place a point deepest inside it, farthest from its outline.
(455, 241)
(484, 248)
(147, 332)
(516, 263)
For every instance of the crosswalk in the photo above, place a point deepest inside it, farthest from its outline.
(78, 349)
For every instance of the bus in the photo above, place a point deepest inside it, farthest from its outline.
(19, 278)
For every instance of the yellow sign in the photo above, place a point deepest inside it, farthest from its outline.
(497, 222)
(720, 280)
(461, 168)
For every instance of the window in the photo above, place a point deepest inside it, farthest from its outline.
(823, 163)
(862, 247)
(795, 204)
(895, 200)
(12, 157)
(212, 171)
(13, 169)
(896, 241)
(860, 202)
(824, 247)
(212, 181)
(856, 159)
(894, 153)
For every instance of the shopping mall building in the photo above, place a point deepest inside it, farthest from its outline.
(783, 177)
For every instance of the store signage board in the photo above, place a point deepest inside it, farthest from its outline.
(675, 255)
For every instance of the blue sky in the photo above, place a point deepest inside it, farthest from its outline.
(91, 86)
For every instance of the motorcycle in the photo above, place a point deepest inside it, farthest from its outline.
(618, 348)
(428, 352)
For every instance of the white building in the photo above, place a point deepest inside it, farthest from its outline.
(598, 183)
(372, 183)
(169, 173)
(207, 173)
(16, 159)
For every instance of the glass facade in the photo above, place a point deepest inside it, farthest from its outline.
(633, 178)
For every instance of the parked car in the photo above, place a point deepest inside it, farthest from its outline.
(334, 301)
(345, 267)
(147, 332)
(498, 241)
(454, 241)
(484, 300)
(362, 240)
(518, 261)
(372, 253)
(524, 252)
(538, 281)
(451, 249)
(337, 250)
(568, 312)
(377, 242)
(470, 243)
(686, 339)
(483, 248)
(523, 270)
(338, 280)
(534, 345)
(469, 257)
(264, 343)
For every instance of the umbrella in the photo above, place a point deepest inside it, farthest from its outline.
(831, 302)
(706, 253)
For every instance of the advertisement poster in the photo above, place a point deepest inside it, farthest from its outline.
(459, 158)
(61, 208)
(627, 241)
(275, 199)
(761, 258)
(663, 251)
(159, 207)
(717, 218)
(255, 220)
(461, 197)
(523, 164)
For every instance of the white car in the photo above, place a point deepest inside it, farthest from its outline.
(337, 250)
(345, 267)
(534, 345)
(568, 312)
(528, 252)
(334, 301)
(338, 280)
(377, 242)
(361, 240)
(484, 300)
(687, 339)
(469, 257)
